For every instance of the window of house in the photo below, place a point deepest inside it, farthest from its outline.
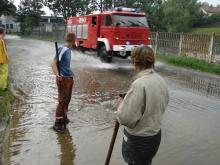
(7, 26)
(11, 26)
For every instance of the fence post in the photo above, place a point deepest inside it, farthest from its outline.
(180, 44)
(39, 30)
(211, 47)
(156, 42)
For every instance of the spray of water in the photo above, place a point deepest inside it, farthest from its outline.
(90, 60)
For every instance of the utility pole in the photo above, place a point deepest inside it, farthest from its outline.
(68, 8)
(101, 5)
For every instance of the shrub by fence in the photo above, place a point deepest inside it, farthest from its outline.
(199, 46)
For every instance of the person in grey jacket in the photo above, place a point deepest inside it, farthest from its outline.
(142, 109)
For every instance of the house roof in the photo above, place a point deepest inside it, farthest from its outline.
(210, 9)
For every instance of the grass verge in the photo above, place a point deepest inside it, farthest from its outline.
(208, 30)
(189, 62)
(6, 98)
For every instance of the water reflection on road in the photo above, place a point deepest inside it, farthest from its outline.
(67, 148)
(190, 134)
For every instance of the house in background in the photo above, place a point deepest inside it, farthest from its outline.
(51, 23)
(50, 26)
(209, 9)
(10, 24)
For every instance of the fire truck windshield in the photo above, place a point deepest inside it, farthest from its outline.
(128, 20)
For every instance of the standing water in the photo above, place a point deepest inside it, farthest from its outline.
(190, 134)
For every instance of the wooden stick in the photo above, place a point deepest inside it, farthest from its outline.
(57, 55)
(112, 143)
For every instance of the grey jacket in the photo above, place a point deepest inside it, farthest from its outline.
(142, 109)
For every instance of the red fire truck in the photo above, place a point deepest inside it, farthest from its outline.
(111, 33)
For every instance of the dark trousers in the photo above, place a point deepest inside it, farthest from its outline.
(64, 96)
(141, 164)
(137, 150)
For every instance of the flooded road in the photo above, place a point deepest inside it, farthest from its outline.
(190, 126)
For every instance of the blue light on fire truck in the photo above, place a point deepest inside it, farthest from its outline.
(125, 9)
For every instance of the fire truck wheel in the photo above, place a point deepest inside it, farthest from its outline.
(109, 59)
(104, 55)
(81, 49)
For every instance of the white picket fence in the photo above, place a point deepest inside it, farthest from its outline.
(200, 46)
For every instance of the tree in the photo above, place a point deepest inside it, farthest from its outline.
(206, 20)
(29, 14)
(68, 8)
(7, 7)
(181, 15)
(154, 11)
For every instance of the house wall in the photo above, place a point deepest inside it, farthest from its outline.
(9, 24)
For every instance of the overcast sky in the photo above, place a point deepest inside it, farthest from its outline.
(48, 12)
(213, 2)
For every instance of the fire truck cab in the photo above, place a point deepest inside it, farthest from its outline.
(111, 33)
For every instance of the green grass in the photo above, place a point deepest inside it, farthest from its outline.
(209, 30)
(189, 62)
(6, 98)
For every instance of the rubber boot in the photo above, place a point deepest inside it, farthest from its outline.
(66, 120)
(58, 127)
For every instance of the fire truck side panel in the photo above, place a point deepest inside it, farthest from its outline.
(79, 26)
(85, 31)
(78, 31)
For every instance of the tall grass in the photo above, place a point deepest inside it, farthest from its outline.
(190, 62)
(6, 97)
(208, 30)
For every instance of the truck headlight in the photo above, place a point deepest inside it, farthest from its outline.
(116, 37)
(122, 47)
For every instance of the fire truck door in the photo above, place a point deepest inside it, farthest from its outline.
(93, 32)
